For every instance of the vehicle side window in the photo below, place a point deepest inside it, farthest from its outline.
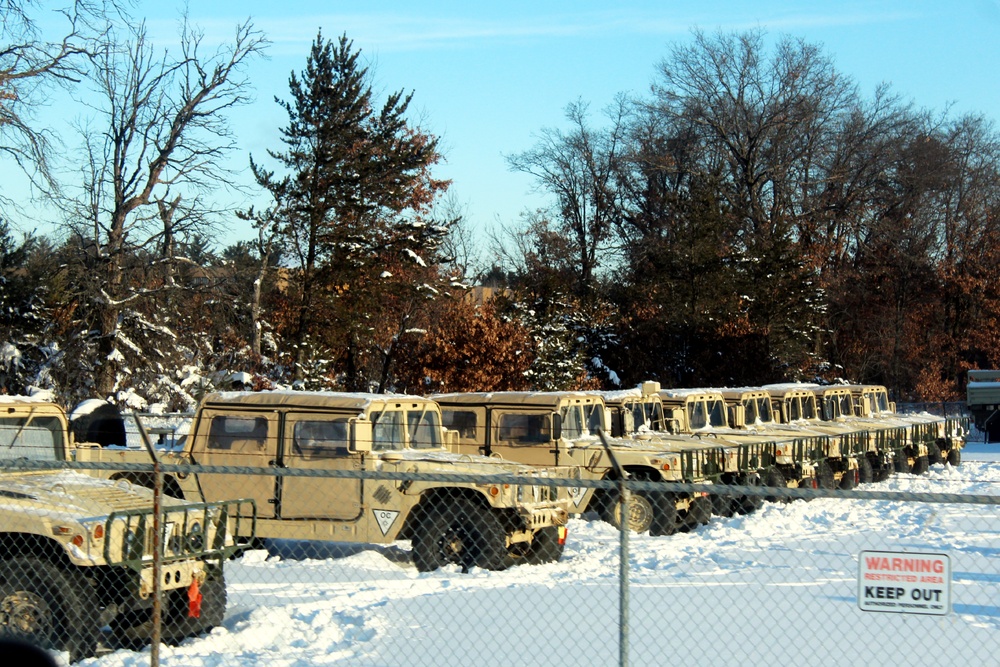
(522, 429)
(463, 421)
(793, 409)
(424, 430)
(808, 408)
(227, 433)
(38, 440)
(387, 433)
(321, 439)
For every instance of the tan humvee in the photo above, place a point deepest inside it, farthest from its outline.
(470, 523)
(638, 413)
(76, 552)
(560, 429)
(942, 437)
(784, 459)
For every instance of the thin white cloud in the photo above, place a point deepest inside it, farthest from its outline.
(396, 32)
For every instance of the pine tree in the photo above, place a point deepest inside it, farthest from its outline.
(353, 205)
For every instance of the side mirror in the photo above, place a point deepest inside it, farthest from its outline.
(361, 436)
(556, 426)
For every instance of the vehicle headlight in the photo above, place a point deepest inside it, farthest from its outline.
(195, 537)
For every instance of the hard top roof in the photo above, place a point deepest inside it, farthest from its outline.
(313, 399)
(532, 398)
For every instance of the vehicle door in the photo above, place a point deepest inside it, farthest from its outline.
(524, 436)
(319, 443)
(248, 439)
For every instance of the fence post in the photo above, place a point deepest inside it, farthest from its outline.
(623, 602)
(154, 647)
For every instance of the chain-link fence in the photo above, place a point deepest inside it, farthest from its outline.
(904, 572)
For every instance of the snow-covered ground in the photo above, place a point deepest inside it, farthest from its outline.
(778, 587)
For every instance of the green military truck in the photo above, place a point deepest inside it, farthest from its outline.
(76, 552)
(561, 429)
(313, 436)
(982, 398)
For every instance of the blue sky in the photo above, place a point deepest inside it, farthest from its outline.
(487, 77)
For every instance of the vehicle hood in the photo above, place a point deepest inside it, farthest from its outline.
(442, 461)
(71, 494)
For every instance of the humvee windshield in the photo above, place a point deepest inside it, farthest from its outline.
(581, 420)
(708, 413)
(422, 430)
(837, 405)
(880, 401)
(758, 410)
(32, 438)
(801, 407)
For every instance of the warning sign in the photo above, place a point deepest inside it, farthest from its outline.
(385, 519)
(904, 583)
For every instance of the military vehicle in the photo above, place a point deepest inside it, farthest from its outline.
(982, 397)
(76, 552)
(943, 437)
(560, 429)
(306, 434)
(785, 460)
(638, 413)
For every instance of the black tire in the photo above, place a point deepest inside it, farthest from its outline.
(955, 456)
(824, 476)
(903, 465)
(920, 465)
(882, 472)
(545, 547)
(460, 533)
(773, 478)
(934, 453)
(699, 513)
(723, 504)
(46, 606)
(665, 515)
(135, 629)
(850, 478)
(749, 504)
(866, 474)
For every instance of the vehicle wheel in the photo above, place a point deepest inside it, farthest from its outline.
(749, 504)
(903, 463)
(866, 474)
(955, 456)
(774, 478)
(545, 547)
(723, 505)
(461, 533)
(665, 516)
(134, 629)
(699, 512)
(882, 472)
(43, 605)
(639, 512)
(920, 465)
(824, 476)
(934, 453)
(850, 478)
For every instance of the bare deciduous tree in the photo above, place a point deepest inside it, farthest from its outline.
(160, 126)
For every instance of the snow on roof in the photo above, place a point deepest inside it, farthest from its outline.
(323, 399)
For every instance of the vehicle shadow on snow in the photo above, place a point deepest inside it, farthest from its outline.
(308, 550)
